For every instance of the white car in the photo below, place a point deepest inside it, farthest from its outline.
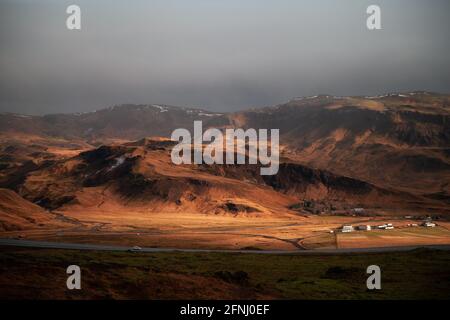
(135, 249)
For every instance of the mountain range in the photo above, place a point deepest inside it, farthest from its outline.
(388, 154)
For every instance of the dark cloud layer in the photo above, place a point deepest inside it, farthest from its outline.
(220, 55)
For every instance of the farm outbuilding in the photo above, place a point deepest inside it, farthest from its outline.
(347, 228)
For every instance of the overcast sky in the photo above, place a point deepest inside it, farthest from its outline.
(216, 54)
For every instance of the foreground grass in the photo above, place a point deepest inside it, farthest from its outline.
(27, 273)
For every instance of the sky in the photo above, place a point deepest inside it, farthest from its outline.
(214, 54)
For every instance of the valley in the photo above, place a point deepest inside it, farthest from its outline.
(107, 176)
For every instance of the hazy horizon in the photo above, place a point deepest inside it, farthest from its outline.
(215, 55)
(209, 109)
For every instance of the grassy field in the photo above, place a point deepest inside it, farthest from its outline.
(41, 274)
(399, 236)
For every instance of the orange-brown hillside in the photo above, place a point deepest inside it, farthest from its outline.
(19, 214)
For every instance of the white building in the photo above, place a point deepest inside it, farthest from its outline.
(429, 224)
(347, 228)
(386, 226)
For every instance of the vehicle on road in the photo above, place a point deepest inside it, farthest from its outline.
(135, 249)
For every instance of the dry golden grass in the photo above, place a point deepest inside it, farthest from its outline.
(137, 226)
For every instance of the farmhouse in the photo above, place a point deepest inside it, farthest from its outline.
(429, 224)
(347, 228)
(386, 226)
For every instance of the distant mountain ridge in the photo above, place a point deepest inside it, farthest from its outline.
(123, 122)
(137, 121)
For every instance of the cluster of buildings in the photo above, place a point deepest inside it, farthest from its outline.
(366, 227)
(386, 226)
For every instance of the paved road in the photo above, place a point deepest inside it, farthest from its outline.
(94, 247)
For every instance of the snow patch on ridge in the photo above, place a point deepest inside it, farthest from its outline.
(117, 162)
